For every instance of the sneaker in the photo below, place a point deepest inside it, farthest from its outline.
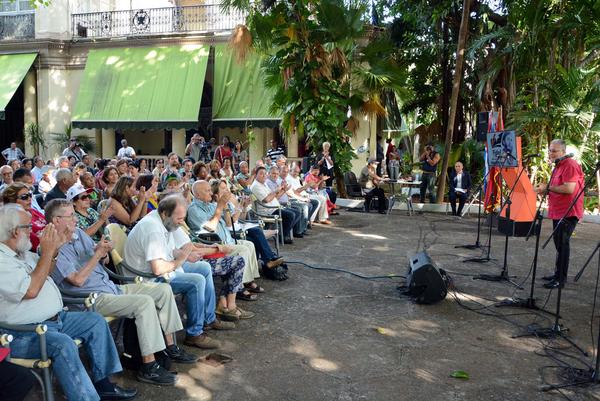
(202, 341)
(156, 374)
(219, 324)
(178, 355)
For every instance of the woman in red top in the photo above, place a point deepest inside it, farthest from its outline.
(317, 184)
(223, 151)
(19, 193)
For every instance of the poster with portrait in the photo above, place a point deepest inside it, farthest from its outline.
(502, 149)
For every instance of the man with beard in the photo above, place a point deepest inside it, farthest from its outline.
(157, 244)
(29, 296)
(152, 305)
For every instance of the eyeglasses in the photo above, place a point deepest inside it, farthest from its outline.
(26, 226)
(81, 197)
(24, 196)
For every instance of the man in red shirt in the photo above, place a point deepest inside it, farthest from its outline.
(567, 181)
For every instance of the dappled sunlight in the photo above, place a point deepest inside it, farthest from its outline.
(307, 348)
(422, 325)
(425, 375)
(362, 235)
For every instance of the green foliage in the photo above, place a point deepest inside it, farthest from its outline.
(63, 138)
(34, 135)
(321, 63)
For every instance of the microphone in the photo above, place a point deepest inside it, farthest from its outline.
(567, 156)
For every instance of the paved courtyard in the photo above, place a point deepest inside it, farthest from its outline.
(331, 336)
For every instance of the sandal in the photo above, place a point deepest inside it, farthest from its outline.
(246, 295)
(254, 288)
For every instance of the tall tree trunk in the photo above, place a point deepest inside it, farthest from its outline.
(458, 72)
(446, 74)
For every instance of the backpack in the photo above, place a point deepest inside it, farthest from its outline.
(131, 357)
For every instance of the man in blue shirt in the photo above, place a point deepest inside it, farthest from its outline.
(152, 305)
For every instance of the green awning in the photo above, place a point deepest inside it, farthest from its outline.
(142, 87)
(13, 68)
(240, 97)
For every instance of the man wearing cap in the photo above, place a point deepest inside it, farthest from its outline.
(152, 305)
(74, 150)
(369, 181)
(125, 151)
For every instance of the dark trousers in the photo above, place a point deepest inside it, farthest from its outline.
(15, 381)
(263, 249)
(462, 198)
(562, 239)
(428, 183)
(290, 221)
(332, 194)
(379, 194)
(314, 204)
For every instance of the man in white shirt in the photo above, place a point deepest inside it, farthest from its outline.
(29, 296)
(125, 151)
(269, 198)
(157, 244)
(316, 207)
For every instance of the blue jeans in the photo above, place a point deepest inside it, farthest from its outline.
(263, 249)
(91, 328)
(197, 286)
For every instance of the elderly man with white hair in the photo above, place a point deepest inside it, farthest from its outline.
(29, 296)
(204, 213)
(64, 181)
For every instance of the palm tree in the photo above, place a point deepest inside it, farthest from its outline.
(322, 62)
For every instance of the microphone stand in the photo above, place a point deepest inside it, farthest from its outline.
(591, 376)
(535, 227)
(557, 330)
(478, 191)
(504, 273)
(487, 258)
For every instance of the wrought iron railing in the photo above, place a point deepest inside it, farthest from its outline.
(154, 21)
(17, 26)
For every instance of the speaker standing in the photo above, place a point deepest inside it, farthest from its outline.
(567, 181)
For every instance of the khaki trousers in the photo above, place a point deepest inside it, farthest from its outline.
(246, 250)
(153, 307)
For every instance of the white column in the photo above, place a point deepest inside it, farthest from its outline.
(30, 106)
(108, 143)
(179, 141)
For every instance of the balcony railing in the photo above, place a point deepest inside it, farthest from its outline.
(155, 21)
(17, 26)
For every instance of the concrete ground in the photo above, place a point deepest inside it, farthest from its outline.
(331, 336)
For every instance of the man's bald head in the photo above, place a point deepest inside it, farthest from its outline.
(201, 190)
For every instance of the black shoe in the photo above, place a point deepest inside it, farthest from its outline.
(382, 212)
(288, 241)
(298, 235)
(551, 277)
(118, 394)
(178, 355)
(156, 374)
(553, 284)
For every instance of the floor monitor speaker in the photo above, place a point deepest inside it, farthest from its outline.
(425, 282)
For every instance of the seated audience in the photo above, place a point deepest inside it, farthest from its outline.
(460, 185)
(152, 305)
(200, 171)
(88, 182)
(204, 213)
(274, 182)
(171, 170)
(149, 181)
(30, 296)
(320, 214)
(269, 198)
(158, 245)
(244, 178)
(127, 210)
(307, 206)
